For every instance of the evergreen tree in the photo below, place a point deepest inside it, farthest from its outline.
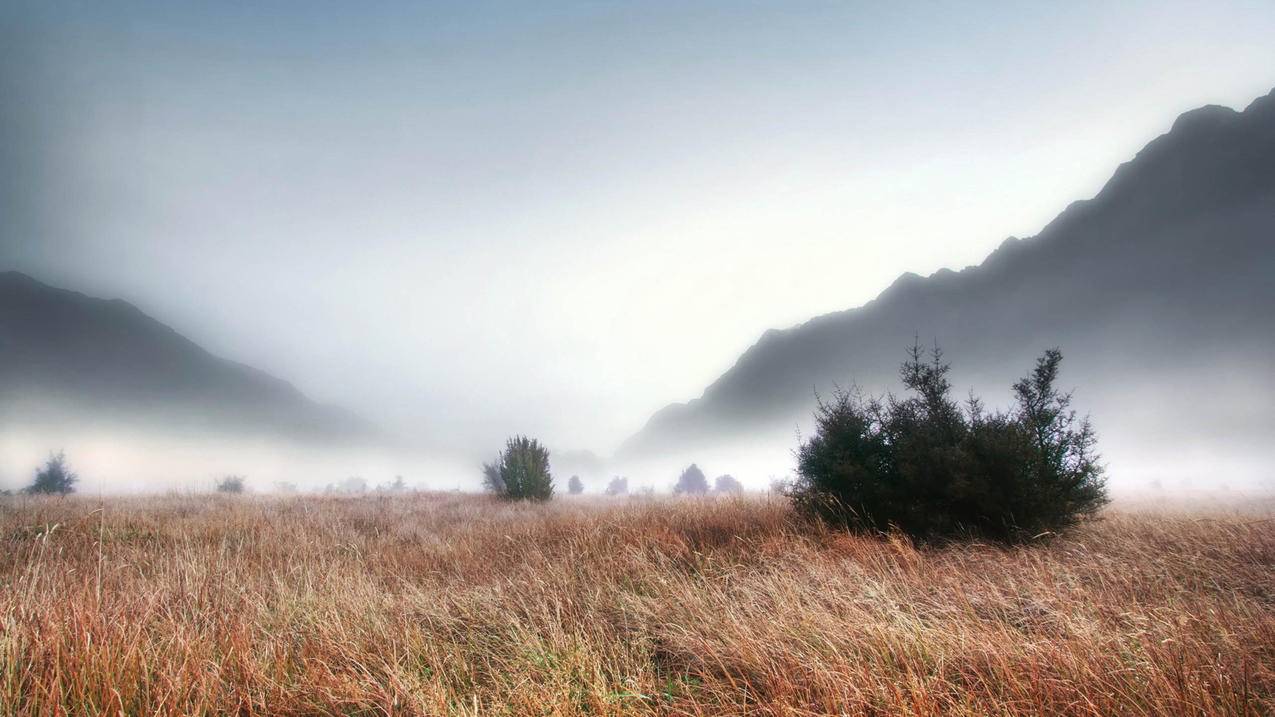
(55, 478)
(691, 482)
(521, 471)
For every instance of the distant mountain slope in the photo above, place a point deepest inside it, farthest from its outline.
(1168, 272)
(66, 356)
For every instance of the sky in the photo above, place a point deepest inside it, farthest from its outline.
(474, 219)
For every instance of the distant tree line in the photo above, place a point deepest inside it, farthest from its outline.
(925, 464)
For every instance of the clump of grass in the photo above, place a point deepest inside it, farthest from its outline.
(463, 605)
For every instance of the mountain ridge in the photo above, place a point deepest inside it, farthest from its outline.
(65, 353)
(1208, 184)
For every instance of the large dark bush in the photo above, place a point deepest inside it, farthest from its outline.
(521, 471)
(55, 478)
(934, 468)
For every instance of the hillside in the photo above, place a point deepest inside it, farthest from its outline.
(65, 357)
(1167, 269)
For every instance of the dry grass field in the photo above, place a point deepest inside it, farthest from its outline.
(458, 605)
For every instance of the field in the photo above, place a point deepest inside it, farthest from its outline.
(457, 605)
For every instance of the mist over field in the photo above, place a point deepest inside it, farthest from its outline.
(619, 359)
(122, 459)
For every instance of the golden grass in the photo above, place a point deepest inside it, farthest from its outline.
(449, 604)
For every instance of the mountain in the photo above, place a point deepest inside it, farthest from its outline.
(1159, 290)
(65, 357)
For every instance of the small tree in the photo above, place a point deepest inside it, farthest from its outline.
(575, 486)
(55, 478)
(230, 484)
(521, 471)
(727, 484)
(618, 485)
(691, 482)
(1064, 480)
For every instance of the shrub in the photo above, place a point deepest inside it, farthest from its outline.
(691, 482)
(55, 478)
(727, 484)
(934, 468)
(230, 484)
(398, 485)
(521, 471)
(575, 486)
(618, 485)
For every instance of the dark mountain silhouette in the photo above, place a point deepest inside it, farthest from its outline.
(65, 357)
(1161, 286)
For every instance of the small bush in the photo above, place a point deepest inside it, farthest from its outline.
(521, 471)
(231, 484)
(691, 482)
(933, 468)
(398, 485)
(575, 486)
(55, 478)
(727, 484)
(618, 485)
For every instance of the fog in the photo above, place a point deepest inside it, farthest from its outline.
(463, 224)
(1139, 455)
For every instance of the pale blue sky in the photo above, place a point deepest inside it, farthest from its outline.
(554, 218)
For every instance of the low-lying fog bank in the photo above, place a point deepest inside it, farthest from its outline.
(132, 459)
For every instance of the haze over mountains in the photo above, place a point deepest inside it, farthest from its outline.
(137, 406)
(65, 357)
(1159, 291)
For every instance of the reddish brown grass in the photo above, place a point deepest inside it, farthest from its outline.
(447, 604)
